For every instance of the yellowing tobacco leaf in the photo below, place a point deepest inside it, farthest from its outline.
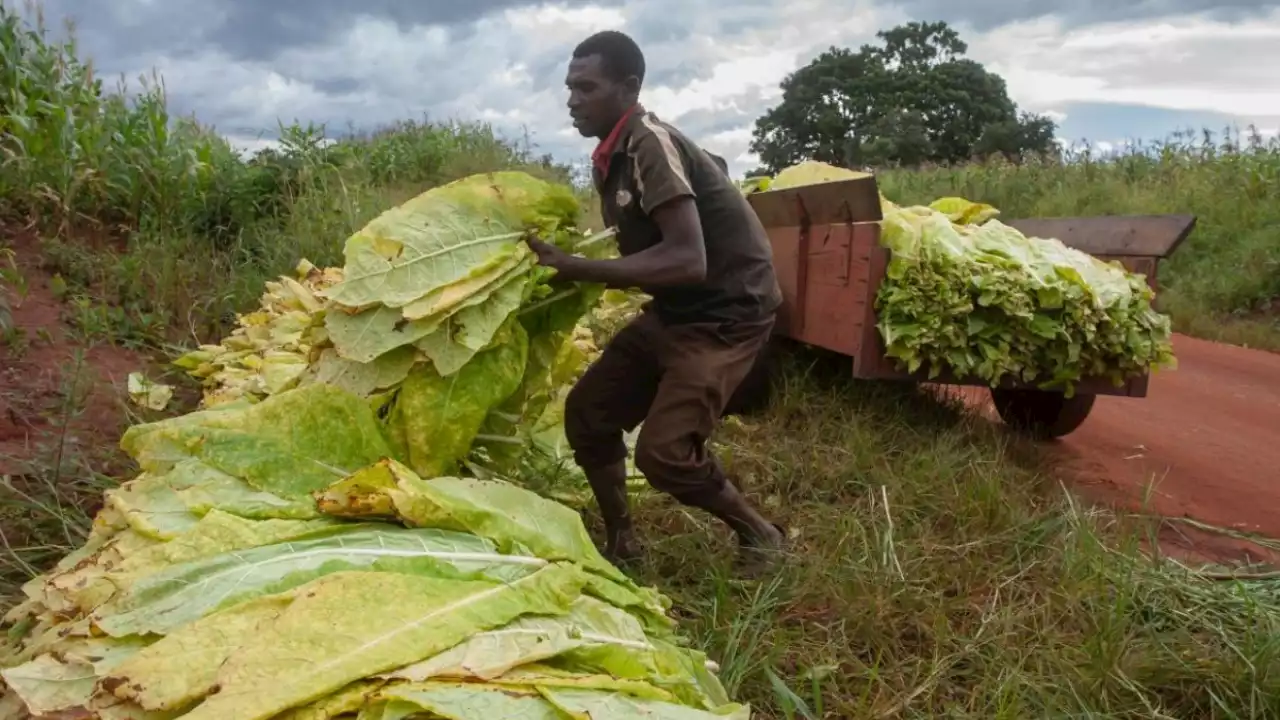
(371, 623)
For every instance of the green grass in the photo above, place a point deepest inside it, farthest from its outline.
(940, 570)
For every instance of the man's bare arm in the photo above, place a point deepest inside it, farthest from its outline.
(679, 259)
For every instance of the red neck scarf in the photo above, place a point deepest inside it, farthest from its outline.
(604, 151)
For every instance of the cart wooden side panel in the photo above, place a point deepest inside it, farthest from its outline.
(822, 244)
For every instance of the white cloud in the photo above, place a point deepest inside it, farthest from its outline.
(571, 21)
(249, 146)
(729, 79)
(1188, 63)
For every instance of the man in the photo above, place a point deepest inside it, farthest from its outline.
(720, 162)
(689, 239)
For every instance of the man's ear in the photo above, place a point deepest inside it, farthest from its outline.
(632, 86)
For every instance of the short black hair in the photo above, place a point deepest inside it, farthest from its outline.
(619, 54)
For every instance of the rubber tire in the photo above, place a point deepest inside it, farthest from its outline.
(1041, 414)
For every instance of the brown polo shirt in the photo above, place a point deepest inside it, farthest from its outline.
(653, 163)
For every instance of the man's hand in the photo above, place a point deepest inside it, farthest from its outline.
(678, 259)
(551, 256)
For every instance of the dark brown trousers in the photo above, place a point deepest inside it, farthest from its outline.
(676, 379)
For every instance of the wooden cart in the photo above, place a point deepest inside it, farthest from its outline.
(829, 261)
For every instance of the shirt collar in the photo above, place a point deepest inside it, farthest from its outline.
(603, 153)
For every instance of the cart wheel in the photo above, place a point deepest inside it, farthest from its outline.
(1042, 414)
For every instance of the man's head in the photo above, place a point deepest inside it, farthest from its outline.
(604, 80)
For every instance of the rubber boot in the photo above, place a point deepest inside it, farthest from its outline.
(760, 542)
(609, 485)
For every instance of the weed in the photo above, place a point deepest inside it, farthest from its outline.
(47, 505)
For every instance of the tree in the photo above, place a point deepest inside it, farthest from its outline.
(916, 99)
(1016, 137)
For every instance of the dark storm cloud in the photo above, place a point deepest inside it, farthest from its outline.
(984, 15)
(336, 85)
(117, 33)
(675, 33)
(256, 29)
(667, 59)
(742, 111)
(678, 74)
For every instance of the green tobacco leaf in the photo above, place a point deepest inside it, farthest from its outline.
(103, 654)
(354, 625)
(464, 701)
(680, 671)
(85, 585)
(365, 336)
(364, 378)
(600, 704)
(545, 677)
(166, 505)
(48, 686)
(302, 549)
(152, 507)
(347, 702)
(517, 520)
(171, 598)
(152, 678)
(63, 677)
(217, 532)
(437, 238)
(204, 489)
(491, 654)
(476, 288)
(290, 444)
(468, 332)
(436, 419)
(647, 604)
(1060, 315)
(551, 362)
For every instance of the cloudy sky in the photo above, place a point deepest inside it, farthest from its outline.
(1107, 70)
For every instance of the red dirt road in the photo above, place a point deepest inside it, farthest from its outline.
(1207, 435)
(1206, 439)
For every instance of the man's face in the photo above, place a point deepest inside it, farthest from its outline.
(596, 101)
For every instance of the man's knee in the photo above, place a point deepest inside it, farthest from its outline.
(648, 458)
(674, 464)
(595, 443)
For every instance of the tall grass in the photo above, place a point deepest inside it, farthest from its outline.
(1223, 282)
(939, 572)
